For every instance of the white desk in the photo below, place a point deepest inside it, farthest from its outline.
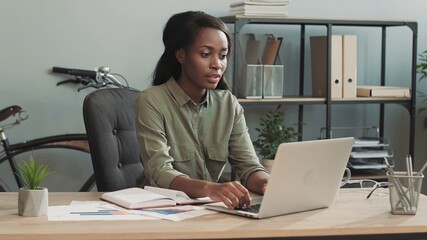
(352, 217)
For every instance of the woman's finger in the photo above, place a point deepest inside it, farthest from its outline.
(243, 194)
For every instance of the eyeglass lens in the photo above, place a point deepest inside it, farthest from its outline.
(368, 184)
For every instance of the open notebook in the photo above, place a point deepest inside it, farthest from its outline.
(305, 176)
(150, 197)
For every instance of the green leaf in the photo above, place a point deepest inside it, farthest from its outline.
(32, 173)
(273, 132)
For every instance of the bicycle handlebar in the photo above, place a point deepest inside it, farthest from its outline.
(99, 78)
(75, 72)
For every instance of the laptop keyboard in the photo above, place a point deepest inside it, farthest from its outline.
(253, 209)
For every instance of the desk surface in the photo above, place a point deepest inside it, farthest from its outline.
(352, 217)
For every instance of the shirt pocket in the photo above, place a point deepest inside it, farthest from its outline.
(184, 158)
(217, 159)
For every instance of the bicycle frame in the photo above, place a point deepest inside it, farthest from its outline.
(69, 141)
(11, 159)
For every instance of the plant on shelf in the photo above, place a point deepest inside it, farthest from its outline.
(32, 199)
(272, 133)
(422, 70)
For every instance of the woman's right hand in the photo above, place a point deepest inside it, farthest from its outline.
(232, 194)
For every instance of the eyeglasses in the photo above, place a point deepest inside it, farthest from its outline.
(368, 184)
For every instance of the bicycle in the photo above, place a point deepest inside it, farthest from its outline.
(99, 78)
(66, 144)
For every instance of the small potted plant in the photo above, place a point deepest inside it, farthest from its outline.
(32, 199)
(272, 133)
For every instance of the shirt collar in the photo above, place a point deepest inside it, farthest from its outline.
(181, 97)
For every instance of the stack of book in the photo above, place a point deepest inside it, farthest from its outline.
(260, 8)
(383, 91)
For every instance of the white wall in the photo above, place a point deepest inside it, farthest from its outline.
(126, 35)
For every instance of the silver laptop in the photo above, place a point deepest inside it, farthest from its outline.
(306, 175)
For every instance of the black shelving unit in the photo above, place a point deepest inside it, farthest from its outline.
(239, 22)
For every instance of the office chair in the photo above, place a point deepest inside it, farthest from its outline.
(109, 117)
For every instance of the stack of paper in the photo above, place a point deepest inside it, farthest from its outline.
(369, 153)
(260, 8)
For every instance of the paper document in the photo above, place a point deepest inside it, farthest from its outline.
(91, 211)
(371, 154)
(178, 196)
(100, 210)
(177, 213)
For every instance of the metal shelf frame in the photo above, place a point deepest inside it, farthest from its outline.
(239, 22)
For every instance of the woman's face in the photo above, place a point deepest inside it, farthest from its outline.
(204, 62)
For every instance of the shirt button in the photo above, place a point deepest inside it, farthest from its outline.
(195, 115)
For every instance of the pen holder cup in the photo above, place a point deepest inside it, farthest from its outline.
(404, 192)
(261, 81)
(251, 86)
(273, 81)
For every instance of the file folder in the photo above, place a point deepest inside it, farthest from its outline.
(349, 66)
(319, 66)
(272, 86)
(271, 50)
(252, 50)
(251, 84)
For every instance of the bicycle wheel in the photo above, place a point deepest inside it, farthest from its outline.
(3, 186)
(68, 156)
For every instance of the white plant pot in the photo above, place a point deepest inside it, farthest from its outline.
(268, 164)
(32, 202)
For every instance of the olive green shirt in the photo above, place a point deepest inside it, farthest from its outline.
(179, 137)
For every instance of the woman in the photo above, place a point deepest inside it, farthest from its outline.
(189, 124)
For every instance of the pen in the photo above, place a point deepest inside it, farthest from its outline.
(389, 168)
(409, 165)
(402, 196)
(410, 180)
(422, 169)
